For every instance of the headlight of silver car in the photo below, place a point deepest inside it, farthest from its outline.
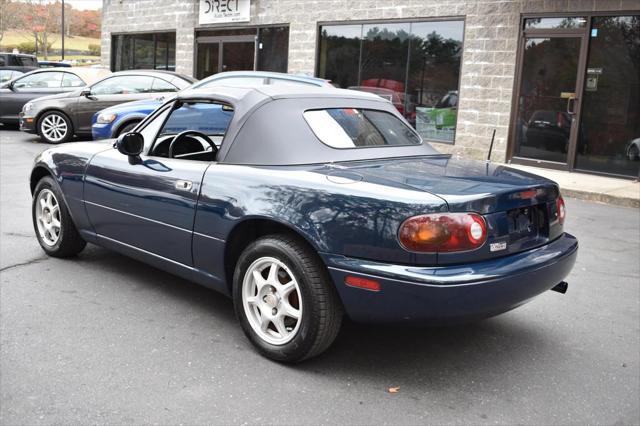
(27, 107)
(105, 118)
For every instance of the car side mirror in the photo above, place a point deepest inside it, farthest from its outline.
(86, 92)
(130, 144)
(9, 85)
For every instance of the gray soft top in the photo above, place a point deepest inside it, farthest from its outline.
(268, 127)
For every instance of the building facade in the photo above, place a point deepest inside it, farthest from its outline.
(557, 80)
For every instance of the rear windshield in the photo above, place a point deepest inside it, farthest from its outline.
(355, 128)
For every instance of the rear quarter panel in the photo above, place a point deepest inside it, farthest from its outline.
(334, 214)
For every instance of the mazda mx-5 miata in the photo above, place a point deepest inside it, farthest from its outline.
(312, 204)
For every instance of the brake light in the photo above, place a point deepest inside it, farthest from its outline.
(443, 232)
(561, 210)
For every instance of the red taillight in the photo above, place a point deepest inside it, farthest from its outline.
(561, 210)
(364, 283)
(443, 232)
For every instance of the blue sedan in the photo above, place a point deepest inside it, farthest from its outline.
(112, 122)
(307, 205)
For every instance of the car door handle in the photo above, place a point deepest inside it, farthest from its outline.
(184, 185)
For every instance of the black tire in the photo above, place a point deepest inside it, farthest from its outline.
(633, 153)
(321, 307)
(47, 135)
(69, 242)
(127, 128)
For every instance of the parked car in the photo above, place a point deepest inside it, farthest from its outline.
(632, 150)
(57, 118)
(443, 114)
(113, 121)
(18, 62)
(15, 93)
(312, 203)
(6, 75)
(53, 64)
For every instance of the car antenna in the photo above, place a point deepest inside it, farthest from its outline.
(493, 137)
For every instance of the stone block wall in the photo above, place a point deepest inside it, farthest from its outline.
(488, 62)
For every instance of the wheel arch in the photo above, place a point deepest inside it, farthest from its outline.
(38, 173)
(249, 230)
(124, 123)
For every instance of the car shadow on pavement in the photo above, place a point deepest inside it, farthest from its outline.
(378, 355)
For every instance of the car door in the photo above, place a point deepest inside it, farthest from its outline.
(22, 90)
(108, 92)
(150, 205)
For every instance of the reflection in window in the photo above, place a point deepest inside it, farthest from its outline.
(609, 137)
(144, 51)
(414, 65)
(273, 48)
(354, 128)
(559, 22)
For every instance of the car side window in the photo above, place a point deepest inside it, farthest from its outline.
(159, 85)
(3, 61)
(123, 85)
(206, 118)
(72, 80)
(42, 80)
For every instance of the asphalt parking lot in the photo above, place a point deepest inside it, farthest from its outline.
(102, 339)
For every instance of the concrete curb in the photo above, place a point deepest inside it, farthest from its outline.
(600, 198)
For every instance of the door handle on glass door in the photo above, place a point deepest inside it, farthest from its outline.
(571, 103)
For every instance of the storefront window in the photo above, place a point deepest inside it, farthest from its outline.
(609, 136)
(144, 51)
(416, 65)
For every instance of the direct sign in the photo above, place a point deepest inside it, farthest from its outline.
(222, 11)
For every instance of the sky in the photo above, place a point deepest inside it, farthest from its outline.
(85, 4)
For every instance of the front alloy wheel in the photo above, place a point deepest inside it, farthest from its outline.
(47, 214)
(55, 230)
(54, 127)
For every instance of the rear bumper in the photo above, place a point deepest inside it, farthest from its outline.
(453, 293)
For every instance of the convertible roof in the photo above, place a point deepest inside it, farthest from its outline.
(268, 126)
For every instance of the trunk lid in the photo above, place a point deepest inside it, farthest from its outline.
(520, 208)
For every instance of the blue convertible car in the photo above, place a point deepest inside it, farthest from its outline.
(311, 204)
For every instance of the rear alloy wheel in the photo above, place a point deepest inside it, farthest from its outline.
(285, 301)
(52, 222)
(633, 153)
(54, 127)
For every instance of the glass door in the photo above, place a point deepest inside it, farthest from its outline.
(238, 55)
(225, 53)
(609, 139)
(208, 59)
(546, 123)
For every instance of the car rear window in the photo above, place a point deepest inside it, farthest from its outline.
(359, 128)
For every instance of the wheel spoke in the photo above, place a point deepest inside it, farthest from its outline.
(258, 280)
(286, 289)
(252, 301)
(279, 323)
(290, 311)
(273, 274)
(264, 320)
